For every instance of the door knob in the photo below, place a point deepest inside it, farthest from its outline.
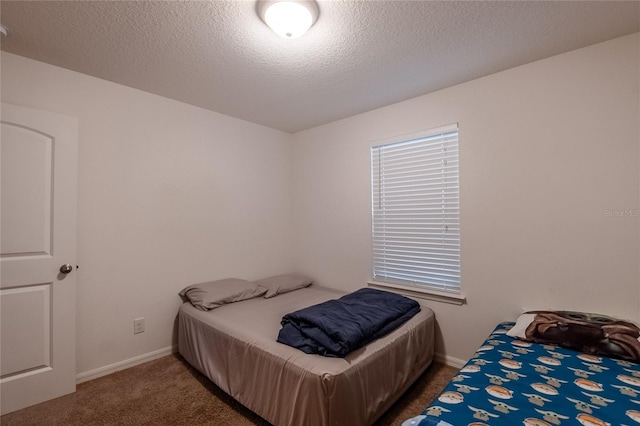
(66, 268)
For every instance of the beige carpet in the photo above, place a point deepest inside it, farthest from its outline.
(168, 391)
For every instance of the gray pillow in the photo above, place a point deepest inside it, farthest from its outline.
(283, 284)
(212, 294)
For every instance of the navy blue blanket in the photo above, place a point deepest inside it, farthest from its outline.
(337, 327)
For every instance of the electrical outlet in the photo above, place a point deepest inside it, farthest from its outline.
(138, 325)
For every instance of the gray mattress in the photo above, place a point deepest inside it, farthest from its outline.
(235, 346)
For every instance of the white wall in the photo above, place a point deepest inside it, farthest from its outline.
(545, 150)
(169, 195)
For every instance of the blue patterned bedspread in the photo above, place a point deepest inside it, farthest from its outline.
(511, 382)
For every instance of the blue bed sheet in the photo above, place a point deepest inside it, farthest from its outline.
(512, 382)
(336, 327)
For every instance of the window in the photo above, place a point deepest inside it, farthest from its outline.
(415, 212)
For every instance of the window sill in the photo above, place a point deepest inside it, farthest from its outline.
(454, 299)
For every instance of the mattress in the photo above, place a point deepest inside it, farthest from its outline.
(512, 382)
(235, 347)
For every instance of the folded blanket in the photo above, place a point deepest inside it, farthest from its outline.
(337, 327)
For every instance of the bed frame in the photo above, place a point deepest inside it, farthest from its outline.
(235, 347)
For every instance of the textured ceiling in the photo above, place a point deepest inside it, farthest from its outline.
(360, 55)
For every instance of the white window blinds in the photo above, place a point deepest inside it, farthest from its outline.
(415, 212)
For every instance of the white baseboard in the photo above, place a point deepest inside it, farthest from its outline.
(123, 365)
(141, 359)
(449, 360)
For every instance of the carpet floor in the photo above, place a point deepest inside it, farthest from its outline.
(168, 391)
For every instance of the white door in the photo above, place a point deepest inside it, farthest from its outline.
(38, 184)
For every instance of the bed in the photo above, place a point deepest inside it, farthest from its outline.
(235, 346)
(510, 381)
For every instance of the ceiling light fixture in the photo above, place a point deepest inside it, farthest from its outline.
(288, 18)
